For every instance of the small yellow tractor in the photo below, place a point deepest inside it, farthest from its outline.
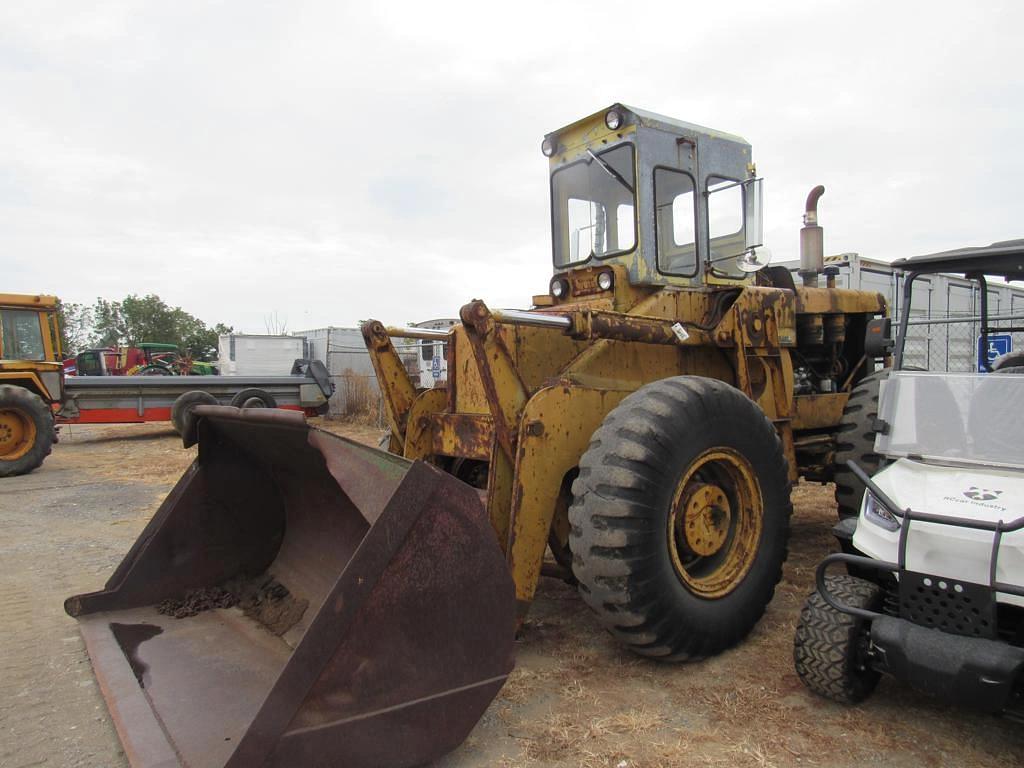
(644, 420)
(31, 380)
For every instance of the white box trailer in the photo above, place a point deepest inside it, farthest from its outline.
(250, 354)
(944, 330)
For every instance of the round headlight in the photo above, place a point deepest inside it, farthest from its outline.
(559, 288)
(604, 281)
(547, 146)
(613, 119)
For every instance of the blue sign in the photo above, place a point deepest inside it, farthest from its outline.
(998, 344)
(435, 367)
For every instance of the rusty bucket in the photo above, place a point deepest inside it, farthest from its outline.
(301, 600)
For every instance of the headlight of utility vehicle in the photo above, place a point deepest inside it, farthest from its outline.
(879, 514)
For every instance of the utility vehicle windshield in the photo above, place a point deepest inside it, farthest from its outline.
(593, 203)
(975, 418)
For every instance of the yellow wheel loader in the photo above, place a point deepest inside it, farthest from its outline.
(31, 380)
(644, 421)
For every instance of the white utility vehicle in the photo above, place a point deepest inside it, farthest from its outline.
(934, 593)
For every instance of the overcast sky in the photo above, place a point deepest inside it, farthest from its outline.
(333, 161)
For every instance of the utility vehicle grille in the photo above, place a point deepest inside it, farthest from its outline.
(957, 607)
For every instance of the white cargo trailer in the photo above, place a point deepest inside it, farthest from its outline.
(244, 354)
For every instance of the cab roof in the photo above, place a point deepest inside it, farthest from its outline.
(648, 119)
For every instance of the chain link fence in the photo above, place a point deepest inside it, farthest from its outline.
(951, 343)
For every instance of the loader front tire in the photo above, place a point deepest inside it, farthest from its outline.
(680, 518)
(26, 430)
(829, 649)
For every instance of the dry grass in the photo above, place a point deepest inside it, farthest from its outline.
(361, 397)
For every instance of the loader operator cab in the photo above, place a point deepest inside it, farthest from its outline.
(660, 201)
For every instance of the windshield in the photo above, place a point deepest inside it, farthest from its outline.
(955, 417)
(592, 203)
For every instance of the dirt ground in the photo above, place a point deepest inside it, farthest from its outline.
(576, 699)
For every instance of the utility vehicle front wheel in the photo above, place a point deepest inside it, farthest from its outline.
(680, 518)
(830, 647)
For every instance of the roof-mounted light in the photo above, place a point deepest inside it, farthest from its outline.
(613, 119)
(548, 146)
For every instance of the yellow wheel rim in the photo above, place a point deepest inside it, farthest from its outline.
(17, 434)
(714, 524)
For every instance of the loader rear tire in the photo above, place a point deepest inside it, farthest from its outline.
(680, 518)
(829, 649)
(26, 430)
(855, 439)
(181, 411)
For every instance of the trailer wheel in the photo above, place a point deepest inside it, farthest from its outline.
(680, 518)
(254, 398)
(830, 647)
(26, 430)
(855, 439)
(181, 411)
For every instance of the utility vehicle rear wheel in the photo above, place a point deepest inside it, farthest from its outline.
(829, 650)
(680, 518)
(26, 431)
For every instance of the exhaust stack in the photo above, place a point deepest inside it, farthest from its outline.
(812, 241)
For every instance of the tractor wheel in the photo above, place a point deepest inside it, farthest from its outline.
(680, 518)
(155, 370)
(254, 398)
(829, 650)
(855, 439)
(181, 411)
(26, 430)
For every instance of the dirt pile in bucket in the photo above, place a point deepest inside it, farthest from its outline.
(263, 599)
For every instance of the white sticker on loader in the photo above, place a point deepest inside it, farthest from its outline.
(680, 332)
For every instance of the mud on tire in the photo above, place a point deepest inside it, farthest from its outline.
(828, 650)
(653, 458)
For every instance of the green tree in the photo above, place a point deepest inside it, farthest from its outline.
(136, 319)
(75, 321)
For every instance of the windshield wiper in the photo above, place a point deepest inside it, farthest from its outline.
(611, 171)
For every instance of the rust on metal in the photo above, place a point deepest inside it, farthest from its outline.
(407, 627)
(397, 389)
(463, 435)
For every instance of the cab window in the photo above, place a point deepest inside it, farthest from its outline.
(675, 222)
(22, 335)
(725, 225)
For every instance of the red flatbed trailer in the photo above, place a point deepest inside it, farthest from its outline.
(139, 399)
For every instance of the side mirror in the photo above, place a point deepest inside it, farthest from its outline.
(878, 337)
(754, 259)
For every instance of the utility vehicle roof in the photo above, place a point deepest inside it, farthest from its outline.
(1005, 259)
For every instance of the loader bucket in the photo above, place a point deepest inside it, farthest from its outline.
(301, 600)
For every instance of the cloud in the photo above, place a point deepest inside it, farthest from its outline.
(333, 162)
